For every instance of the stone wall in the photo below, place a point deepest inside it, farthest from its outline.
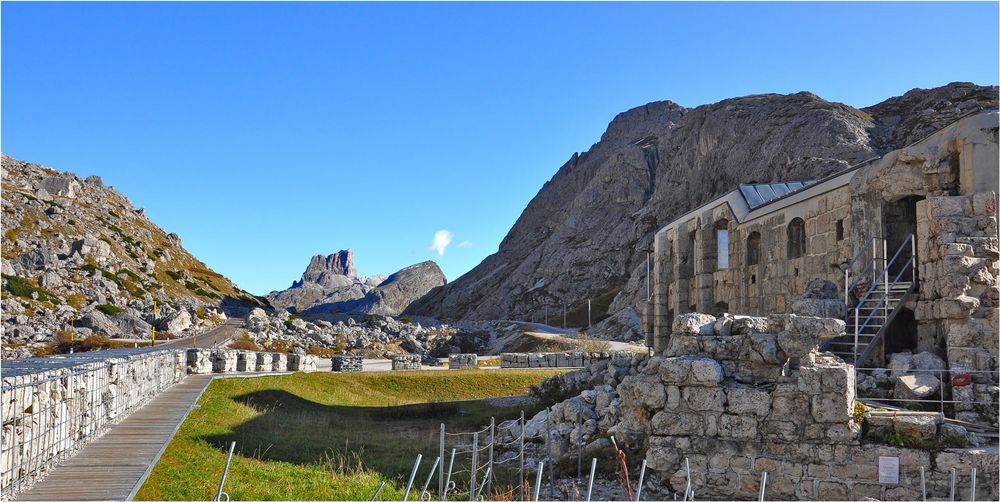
(48, 414)
(958, 306)
(204, 361)
(729, 396)
(556, 359)
(346, 363)
(406, 362)
(463, 361)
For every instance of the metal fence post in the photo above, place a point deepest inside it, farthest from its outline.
(588, 312)
(380, 485)
(590, 483)
(489, 469)
(441, 467)
(225, 472)
(538, 479)
(763, 486)
(973, 497)
(521, 458)
(952, 496)
(642, 478)
(430, 476)
(923, 485)
(548, 451)
(447, 479)
(413, 474)
(579, 447)
(475, 458)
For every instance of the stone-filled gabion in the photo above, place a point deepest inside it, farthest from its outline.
(346, 363)
(246, 361)
(199, 361)
(463, 361)
(264, 362)
(301, 362)
(279, 362)
(406, 362)
(557, 359)
(223, 361)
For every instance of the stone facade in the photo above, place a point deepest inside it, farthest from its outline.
(463, 361)
(346, 363)
(556, 359)
(941, 191)
(406, 362)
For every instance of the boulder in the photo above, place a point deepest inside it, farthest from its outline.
(900, 363)
(60, 186)
(694, 324)
(928, 361)
(96, 321)
(176, 322)
(916, 386)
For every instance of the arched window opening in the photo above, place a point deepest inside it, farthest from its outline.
(753, 248)
(796, 238)
(722, 244)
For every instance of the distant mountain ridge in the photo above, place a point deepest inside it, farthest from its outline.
(330, 284)
(586, 233)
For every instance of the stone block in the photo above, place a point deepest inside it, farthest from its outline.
(748, 400)
(405, 362)
(694, 324)
(704, 398)
(737, 427)
(463, 361)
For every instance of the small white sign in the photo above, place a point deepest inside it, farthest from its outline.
(888, 470)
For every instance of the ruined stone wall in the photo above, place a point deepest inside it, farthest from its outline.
(958, 306)
(739, 397)
(557, 359)
(49, 414)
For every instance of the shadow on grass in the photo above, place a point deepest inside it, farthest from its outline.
(351, 439)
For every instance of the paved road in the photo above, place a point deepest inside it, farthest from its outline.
(215, 337)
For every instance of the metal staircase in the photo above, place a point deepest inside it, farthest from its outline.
(869, 318)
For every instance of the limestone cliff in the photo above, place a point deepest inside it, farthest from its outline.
(586, 232)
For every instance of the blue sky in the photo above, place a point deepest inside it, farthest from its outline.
(266, 133)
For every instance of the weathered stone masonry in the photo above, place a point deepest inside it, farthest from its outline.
(727, 395)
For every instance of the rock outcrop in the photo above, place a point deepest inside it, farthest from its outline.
(586, 232)
(79, 260)
(331, 284)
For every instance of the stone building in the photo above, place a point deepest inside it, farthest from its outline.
(903, 247)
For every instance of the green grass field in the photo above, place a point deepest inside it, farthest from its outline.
(326, 436)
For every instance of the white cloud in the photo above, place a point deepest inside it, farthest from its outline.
(465, 244)
(442, 238)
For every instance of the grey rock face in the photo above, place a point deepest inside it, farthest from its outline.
(329, 271)
(330, 285)
(586, 233)
(60, 186)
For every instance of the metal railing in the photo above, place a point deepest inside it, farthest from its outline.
(870, 266)
(949, 379)
(883, 303)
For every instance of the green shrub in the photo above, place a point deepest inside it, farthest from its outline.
(175, 275)
(109, 309)
(19, 286)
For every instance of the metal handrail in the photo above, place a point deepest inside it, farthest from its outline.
(885, 270)
(889, 316)
(850, 266)
(885, 295)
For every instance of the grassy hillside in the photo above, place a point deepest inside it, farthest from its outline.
(326, 436)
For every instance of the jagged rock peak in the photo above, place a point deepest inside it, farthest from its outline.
(323, 270)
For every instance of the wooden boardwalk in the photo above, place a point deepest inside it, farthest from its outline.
(113, 466)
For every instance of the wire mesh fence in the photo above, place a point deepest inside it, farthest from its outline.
(52, 406)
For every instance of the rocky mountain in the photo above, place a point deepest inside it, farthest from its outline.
(330, 284)
(80, 260)
(586, 233)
